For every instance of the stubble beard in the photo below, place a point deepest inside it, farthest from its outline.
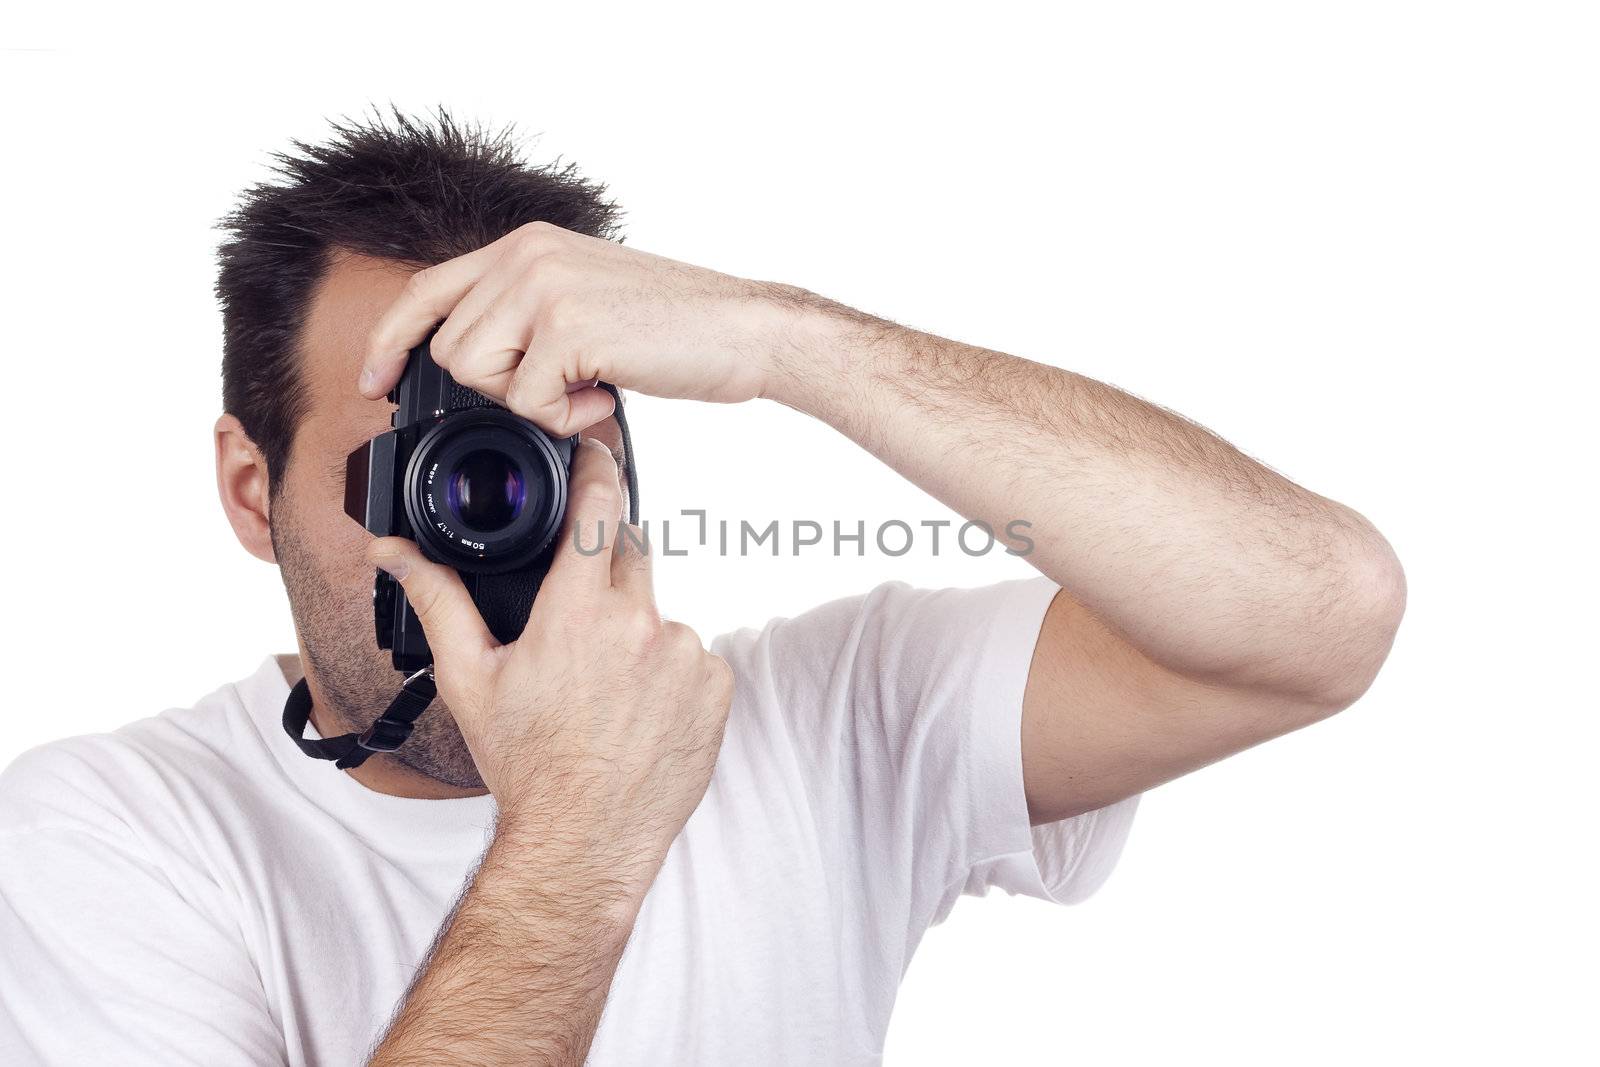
(354, 676)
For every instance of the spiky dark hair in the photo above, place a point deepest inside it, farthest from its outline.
(419, 190)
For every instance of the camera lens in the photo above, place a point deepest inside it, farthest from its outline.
(486, 491)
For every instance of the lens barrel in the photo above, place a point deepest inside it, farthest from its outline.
(485, 490)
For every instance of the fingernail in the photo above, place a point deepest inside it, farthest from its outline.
(394, 568)
(367, 378)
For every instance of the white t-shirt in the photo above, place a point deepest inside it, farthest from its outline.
(191, 889)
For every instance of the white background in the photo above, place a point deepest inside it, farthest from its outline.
(1359, 240)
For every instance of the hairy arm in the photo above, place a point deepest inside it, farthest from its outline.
(521, 969)
(1208, 602)
(596, 731)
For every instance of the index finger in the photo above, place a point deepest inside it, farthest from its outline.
(427, 300)
(594, 515)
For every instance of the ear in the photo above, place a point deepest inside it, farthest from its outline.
(242, 484)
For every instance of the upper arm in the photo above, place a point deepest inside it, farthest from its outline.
(1102, 722)
(903, 711)
(107, 955)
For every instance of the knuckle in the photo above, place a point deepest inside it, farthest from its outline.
(462, 338)
(424, 600)
(595, 454)
(642, 626)
(558, 313)
(680, 638)
(470, 368)
(419, 285)
(443, 346)
(527, 390)
(519, 392)
(603, 469)
(533, 240)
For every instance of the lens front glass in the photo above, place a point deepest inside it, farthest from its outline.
(486, 490)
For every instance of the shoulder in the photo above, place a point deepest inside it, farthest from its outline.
(892, 619)
(132, 781)
(885, 659)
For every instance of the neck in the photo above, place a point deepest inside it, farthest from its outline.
(381, 773)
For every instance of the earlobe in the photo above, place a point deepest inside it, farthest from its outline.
(244, 487)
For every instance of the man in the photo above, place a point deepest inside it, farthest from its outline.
(604, 842)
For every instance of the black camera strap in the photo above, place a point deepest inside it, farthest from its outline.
(391, 729)
(630, 472)
(387, 733)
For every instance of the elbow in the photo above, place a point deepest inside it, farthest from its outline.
(1360, 631)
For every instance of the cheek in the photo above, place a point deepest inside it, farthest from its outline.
(335, 544)
(345, 554)
(341, 542)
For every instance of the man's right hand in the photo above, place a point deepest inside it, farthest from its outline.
(602, 720)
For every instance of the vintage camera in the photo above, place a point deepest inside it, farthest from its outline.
(476, 486)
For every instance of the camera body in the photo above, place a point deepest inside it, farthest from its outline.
(477, 486)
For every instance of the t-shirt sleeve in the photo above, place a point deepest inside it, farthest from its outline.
(907, 709)
(1064, 861)
(106, 959)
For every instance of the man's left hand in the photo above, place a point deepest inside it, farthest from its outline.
(534, 319)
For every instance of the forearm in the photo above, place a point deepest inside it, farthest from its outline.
(521, 970)
(1208, 562)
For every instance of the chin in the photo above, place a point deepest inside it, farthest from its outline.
(437, 750)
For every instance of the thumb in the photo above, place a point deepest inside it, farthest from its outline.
(455, 630)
